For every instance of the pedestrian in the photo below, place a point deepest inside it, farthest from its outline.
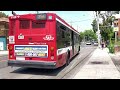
(102, 44)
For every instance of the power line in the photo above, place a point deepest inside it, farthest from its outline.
(79, 21)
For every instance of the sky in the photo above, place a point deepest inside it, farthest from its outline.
(80, 20)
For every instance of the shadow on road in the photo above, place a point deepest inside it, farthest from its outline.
(36, 71)
(47, 72)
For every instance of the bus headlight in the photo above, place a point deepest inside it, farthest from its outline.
(52, 57)
(52, 49)
(10, 47)
(11, 56)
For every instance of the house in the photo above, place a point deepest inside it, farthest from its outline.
(116, 24)
(4, 27)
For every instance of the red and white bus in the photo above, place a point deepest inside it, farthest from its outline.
(41, 40)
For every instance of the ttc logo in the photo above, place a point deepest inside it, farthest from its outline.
(48, 37)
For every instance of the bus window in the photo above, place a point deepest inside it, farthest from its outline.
(38, 24)
(63, 36)
(24, 24)
(67, 37)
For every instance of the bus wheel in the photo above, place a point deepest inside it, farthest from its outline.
(68, 59)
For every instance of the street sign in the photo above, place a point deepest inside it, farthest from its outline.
(116, 29)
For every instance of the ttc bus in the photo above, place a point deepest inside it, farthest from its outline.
(41, 40)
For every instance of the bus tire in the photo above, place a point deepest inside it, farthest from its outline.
(68, 58)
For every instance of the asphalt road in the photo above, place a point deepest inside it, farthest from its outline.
(60, 73)
(4, 57)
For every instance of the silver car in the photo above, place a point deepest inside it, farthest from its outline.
(96, 43)
(88, 43)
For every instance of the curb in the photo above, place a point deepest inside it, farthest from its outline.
(3, 63)
(3, 55)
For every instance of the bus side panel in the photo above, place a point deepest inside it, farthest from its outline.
(61, 59)
(71, 53)
(52, 31)
(76, 43)
(76, 49)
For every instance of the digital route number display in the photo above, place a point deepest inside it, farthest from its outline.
(42, 16)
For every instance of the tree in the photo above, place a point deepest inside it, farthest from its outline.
(106, 29)
(116, 12)
(2, 14)
(90, 35)
(94, 25)
(81, 36)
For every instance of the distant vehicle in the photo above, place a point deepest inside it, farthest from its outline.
(88, 43)
(95, 43)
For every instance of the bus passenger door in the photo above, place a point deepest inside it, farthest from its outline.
(72, 37)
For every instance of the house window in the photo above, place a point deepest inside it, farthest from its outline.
(115, 24)
(2, 27)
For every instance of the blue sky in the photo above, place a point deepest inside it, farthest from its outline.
(80, 20)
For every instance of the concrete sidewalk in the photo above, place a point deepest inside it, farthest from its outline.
(3, 53)
(99, 66)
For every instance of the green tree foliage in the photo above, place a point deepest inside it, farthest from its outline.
(81, 36)
(106, 30)
(88, 35)
(94, 25)
(2, 14)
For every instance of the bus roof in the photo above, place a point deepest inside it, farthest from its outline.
(31, 16)
(66, 23)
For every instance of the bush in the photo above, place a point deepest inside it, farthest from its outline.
(111, 48)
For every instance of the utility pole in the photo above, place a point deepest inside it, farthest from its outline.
(115, 36)
(37, 12)
(97, 17)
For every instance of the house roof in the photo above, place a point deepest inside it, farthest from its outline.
(3, 19)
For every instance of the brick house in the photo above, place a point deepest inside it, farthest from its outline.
(117, 24)
(4, 27)
(119, 28)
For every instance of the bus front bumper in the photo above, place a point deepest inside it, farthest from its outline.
(32, 64)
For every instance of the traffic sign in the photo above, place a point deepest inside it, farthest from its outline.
(116, 29)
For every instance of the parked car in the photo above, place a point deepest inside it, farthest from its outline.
(88, 43)
(95, 43)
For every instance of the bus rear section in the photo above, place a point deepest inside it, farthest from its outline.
(32, 41)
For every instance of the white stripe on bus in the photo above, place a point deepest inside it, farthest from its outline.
(65, 25)
(63, 50)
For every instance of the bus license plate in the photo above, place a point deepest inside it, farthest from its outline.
(20, 58)
(20, 54)
(41, 54)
